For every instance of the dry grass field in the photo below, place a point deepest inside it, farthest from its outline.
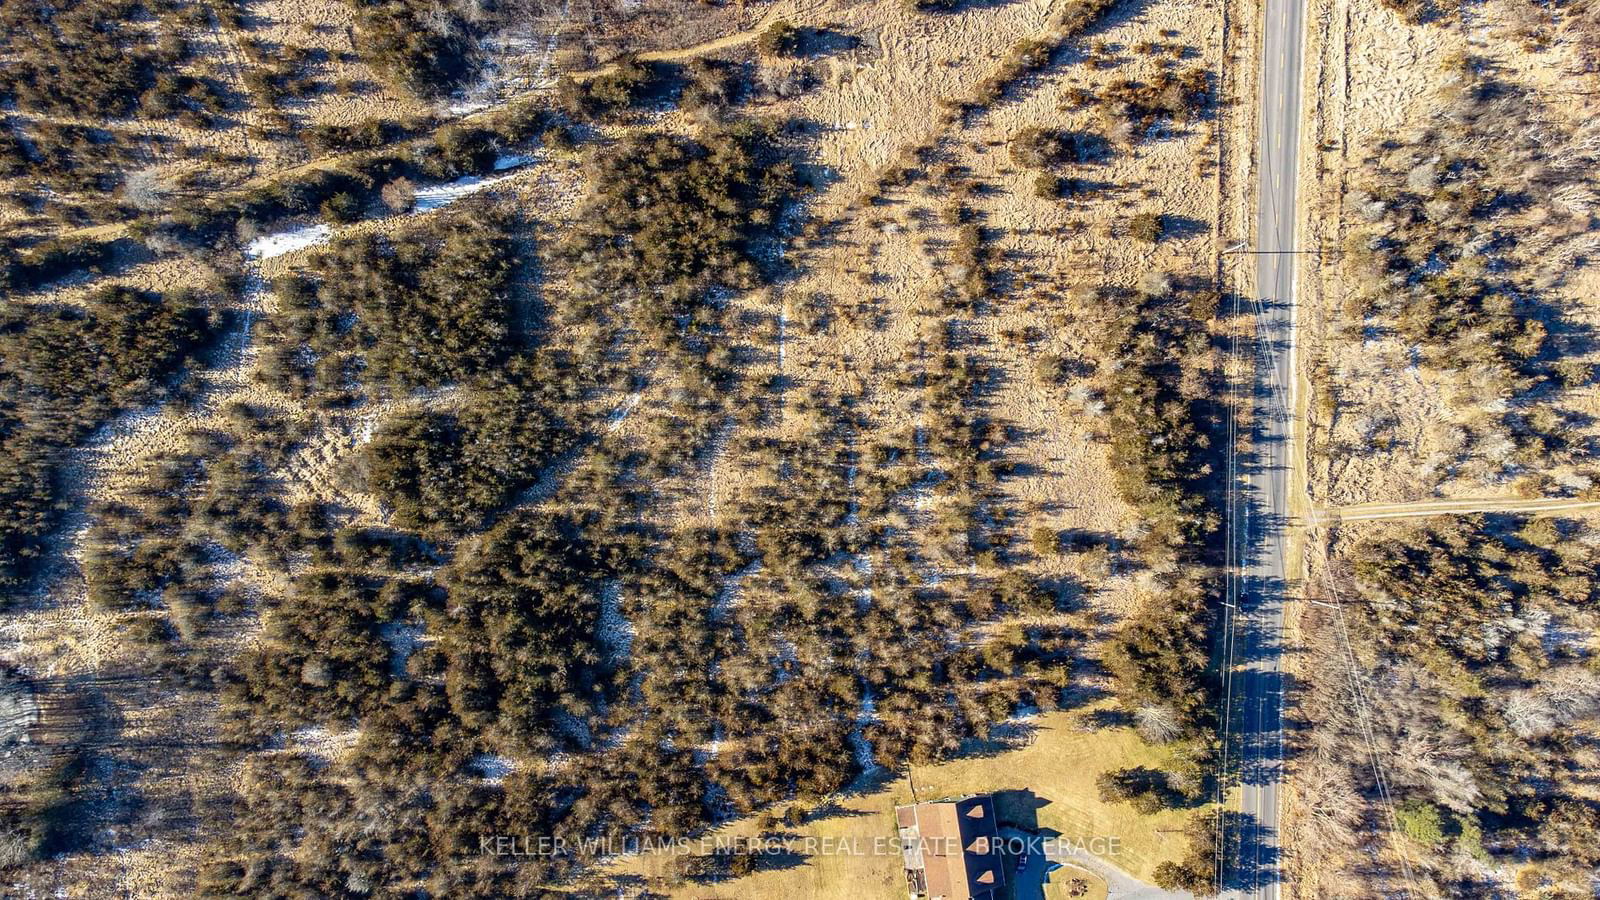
(1387, 424)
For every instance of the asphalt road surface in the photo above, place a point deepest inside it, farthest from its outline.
(1049, 861)
(1262, 508)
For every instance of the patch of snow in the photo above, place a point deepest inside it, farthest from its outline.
(922, 501)
(781, 662)
(717, 802)
(574, 728)
(852, 516)
(783, 325)
(728, 596)
(1556, 636)
(550, 478)
(268, 246)
(858, 738)
(613, 630)
(614, 420)
(238, 343)
(19, 712)
(541, 75)
(715, 747)
(493, 767)
(439, 196)
(861, 562)
(718, 450)
(363, 433)
(403, 639)
(322, 743)
(468, 107)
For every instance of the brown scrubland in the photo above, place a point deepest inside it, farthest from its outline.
(1446, 701)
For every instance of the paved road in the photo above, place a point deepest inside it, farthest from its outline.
(1262, 509)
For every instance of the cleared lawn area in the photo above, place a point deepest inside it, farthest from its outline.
(1060, 887)
(846, 843)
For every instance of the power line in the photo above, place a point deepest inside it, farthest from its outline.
(1363, 704)
(1231, 595)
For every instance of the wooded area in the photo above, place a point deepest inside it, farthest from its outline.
(420, 588)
